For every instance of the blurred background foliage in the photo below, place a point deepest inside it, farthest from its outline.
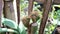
(55, 15)
(53, 19)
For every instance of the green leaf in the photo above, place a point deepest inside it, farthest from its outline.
(9, 23)
(22, 29)
(24, 32)
(7, 30)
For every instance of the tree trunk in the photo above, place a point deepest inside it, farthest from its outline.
(47, 6)
(18, 10)
(30, 8)
(1, 9)
(9, 11)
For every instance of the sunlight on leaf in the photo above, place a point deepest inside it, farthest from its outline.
(7, 30)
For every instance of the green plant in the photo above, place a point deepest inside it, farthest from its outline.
(13, 27)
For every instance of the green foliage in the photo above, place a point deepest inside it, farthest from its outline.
(9, 23)
(7, 30)
(12, 25)
(54, 14)
(21, 29)
(23, 5)
(56, 19)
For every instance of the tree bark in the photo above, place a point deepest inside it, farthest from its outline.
(56, 1)
(30, 8)
(47, 6)
(1, 9)
(18, 10)
(9, 10)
